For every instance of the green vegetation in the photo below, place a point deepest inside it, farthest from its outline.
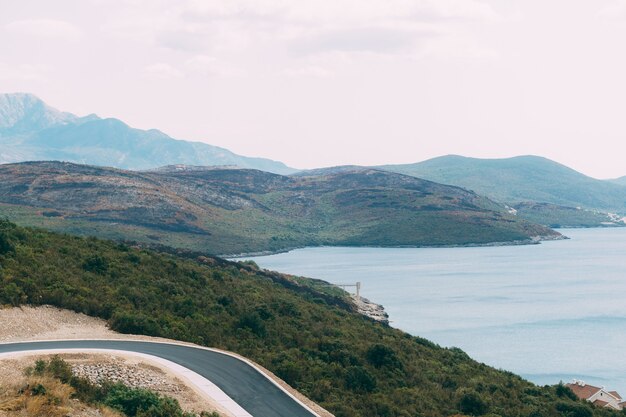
(232, 211)
(521, 179)
(555, 216)
(131, 402)
(346, 362)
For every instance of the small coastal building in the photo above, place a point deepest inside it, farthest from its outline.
(598, 396)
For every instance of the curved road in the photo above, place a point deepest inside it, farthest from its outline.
(253, 391)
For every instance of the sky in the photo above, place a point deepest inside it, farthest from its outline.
(330, 82)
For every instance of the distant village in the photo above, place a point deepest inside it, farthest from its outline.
(598, 396)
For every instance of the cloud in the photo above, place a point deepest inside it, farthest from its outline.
(455, 46)
(614, 10)
(183, 40)
(199, 25)
(463, 9)
(22, 72)
(162, 71)
(324, 11)
(211, 66)
(45, 28)
(307, 71)
(371, 39)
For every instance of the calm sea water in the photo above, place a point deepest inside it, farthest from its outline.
(548, 312)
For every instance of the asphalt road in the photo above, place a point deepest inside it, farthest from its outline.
(241, 382)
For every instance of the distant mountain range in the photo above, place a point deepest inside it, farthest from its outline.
(533, 188)
(523, 179)
(30, 130)
(228, 211)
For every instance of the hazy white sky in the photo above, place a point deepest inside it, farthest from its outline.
(329, 82)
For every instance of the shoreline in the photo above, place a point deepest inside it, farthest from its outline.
(532, 241)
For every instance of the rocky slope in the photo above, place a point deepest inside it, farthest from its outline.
(229, 211)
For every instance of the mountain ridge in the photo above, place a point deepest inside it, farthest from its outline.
(32, 130)
(233, 211)
(520, 179)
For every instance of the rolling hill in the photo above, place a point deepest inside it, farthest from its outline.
(230, 211)
(525, 179)
(30, 130)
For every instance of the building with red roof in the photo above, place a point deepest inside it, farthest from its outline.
(598, 396)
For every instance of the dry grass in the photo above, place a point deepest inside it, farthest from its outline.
(45, 397)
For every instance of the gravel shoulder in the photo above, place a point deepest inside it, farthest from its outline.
(22, 324)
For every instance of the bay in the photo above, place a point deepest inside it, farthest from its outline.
(549, 312)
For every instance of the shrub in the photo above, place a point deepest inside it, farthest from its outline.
(574, 410)
(473, 404)
(380, 355)
(59, 369)
(253, 322)
(130, 401)
(565, 391)
(96, 264)
(12, 294)
(6, 237)
(358, 379)
(130, 323)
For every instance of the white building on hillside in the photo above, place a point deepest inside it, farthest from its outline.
(597, 395)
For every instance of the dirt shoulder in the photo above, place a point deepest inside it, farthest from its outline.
(21, 324)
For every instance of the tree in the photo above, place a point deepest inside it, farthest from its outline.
(358, 379)
(6, 238)
(380, 355)
(12, 294)
(473, 404)
(96, 264)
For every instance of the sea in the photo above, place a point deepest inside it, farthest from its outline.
(550, 312)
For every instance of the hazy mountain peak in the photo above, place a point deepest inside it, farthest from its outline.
(26, 112)
(31, 130)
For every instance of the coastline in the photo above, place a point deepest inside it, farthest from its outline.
(533, 241)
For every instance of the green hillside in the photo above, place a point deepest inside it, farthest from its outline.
(521, 179)
(231, 211)
(349, 364)
(556, 216)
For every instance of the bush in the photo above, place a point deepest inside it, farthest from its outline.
(96, 264)
(289, 372)
(12, 294)
(59, 369)
(130, 401)
(574, 410)
(137, 402)
(358, 379)
(473, 404)
(6, 237)
(253, 322)
(130, 323)
(565, 391)
(380, 355)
